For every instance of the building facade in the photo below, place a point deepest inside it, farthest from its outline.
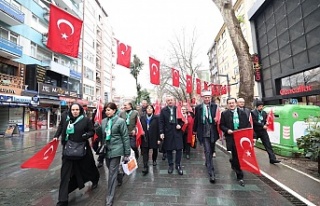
(288, 46)
(36, 84)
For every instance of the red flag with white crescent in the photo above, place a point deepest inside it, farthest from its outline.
(189, 83)
(98, 117)
(139, 132)
(175, 77)
(123, 54)
(154, 71)
(243, 139)
(43, 158)
(64, 32)
(198, 82)
(218, 118)
(157, 108)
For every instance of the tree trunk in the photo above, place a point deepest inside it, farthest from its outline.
(241, 48)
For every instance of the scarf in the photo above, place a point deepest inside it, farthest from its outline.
(108, 128)
(260, 117)
(148, 121)
(235, 119)
(206, 111)
(128, 114)
(70, 127)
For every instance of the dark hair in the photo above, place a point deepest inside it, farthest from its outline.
(111, 105)
(131, 105)
(258, 103)
(150, 105)
(80, 107)
(231, 98)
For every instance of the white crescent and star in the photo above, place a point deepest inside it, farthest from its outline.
(175, 74)
(64, 21)
(50, 149)
(246, 139)
(188, 81)
(123, 51)
(153, 65)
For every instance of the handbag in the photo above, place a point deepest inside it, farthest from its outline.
(102, 150)
(131, 166)
(74, 150)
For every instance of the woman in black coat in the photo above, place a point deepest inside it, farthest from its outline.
(151, 138)
(74, 173)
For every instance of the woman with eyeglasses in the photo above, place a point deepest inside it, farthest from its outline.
(76, 172)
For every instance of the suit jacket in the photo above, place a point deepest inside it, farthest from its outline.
(198, 125)
(172, 136)
(258, 127)
(226, 123)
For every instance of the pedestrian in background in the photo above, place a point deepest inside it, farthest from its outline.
(232, 119)
(241, 103)
(171, 134)
(260, 125)
(113, 131)
(187, 128)
(205, 127)
(74, 173)
(151, 137)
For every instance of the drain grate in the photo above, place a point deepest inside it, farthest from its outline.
(295, 201)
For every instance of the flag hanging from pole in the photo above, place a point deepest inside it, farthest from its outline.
(175, 77)
(123, 54)
(189, 83)
(64, 32)
(243, 139)
(154, 71)
(139, 132)
(198, 88)
(43, 158)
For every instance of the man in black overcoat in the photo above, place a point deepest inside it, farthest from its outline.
(171, 134)
(205, 127)
(232, 119)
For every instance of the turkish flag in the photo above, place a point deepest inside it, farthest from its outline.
(175, 77)
(154, 71)
(189, 83)
(139, 132)
(224, 89)
(243, 139)
(124, 54)
(43, 158)
(198, 82)
(205, 86)
(217, 119)
(64, 32)
(179, 111)
(157, 108)
(270, 121)
(98, 117)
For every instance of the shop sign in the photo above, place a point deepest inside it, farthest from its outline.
(10, 90)
(299, 89)
(256, 67)
(22, 99)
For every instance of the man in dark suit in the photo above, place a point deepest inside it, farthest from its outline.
(260, 125)
(232, 119)
(171, 134)
(205, 127)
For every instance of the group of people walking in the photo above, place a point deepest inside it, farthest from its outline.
(173, 132)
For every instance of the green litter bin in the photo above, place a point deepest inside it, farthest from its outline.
(290, 123)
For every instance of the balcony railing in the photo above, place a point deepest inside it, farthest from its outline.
(9, 14)
(9, 49)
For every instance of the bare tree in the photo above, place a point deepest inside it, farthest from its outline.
(182, 56)
(241, 48)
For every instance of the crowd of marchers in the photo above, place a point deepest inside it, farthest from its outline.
(167, 132)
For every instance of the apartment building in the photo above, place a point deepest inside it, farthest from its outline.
(36, 83)
(224, 68)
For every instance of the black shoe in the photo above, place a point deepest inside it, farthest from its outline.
(188, 157)
(170, 169)
(145, 170)
(212, 179)
(154, 163)
(164, 156)
(94, 185)
(274, 161)
(62, 203)
(179, 169)
(100, 164)
(241, 182)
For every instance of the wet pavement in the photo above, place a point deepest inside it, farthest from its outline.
(40, 187)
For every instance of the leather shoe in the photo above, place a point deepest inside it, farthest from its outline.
(274, 161)
(164, 156)
(170, 170)
(212, 179)
(100, 164)
(180, 171)
(145, 170)
(241, 182)
(154, 163)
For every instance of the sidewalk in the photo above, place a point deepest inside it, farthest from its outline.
(303, 186)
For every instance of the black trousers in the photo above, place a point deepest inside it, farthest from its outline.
(235, 163)
(264, 136)
(186, 145)
(145, 154)
(178, 157)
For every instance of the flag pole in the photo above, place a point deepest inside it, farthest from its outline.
(82, 49)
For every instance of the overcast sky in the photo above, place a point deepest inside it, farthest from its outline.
(148, 25)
